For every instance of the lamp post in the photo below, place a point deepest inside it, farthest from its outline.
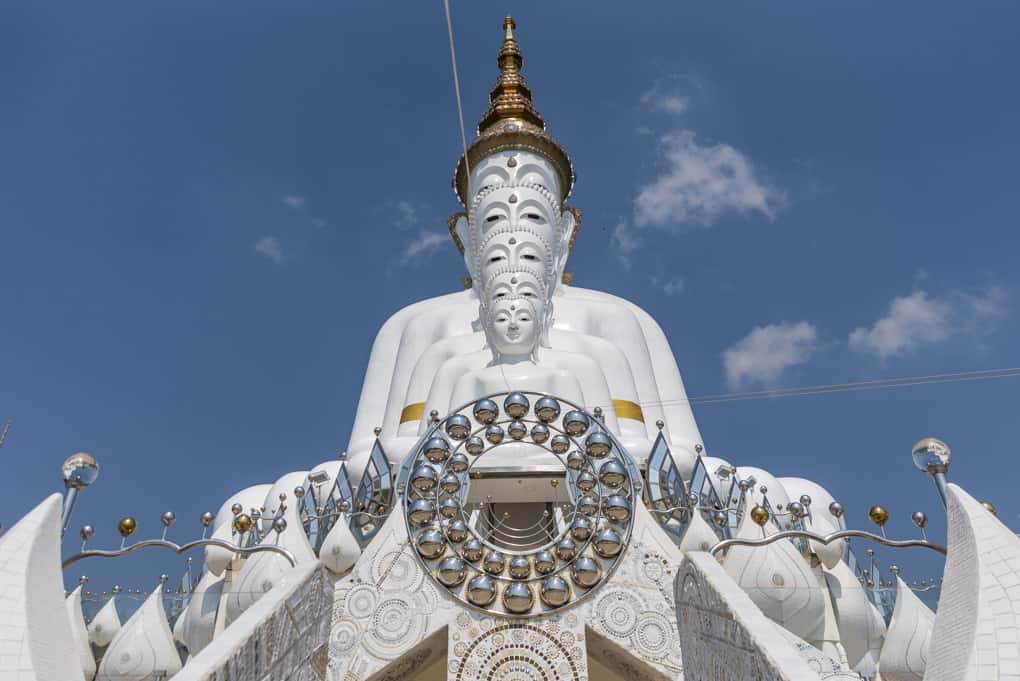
(79, 471)
(932, 456)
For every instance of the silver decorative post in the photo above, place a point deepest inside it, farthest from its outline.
(79, 471)
(932, 456)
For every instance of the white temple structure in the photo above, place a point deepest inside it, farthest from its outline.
(525, 496)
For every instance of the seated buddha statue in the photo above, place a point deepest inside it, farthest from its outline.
(513, 181)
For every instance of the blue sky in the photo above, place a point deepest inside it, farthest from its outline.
(207, 211)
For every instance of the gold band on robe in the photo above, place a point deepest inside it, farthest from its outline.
(625, 409)
(412, 412)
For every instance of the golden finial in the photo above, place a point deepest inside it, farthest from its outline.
(512, 121)
(878, 515)
(990, 507)
(760, 515)
(243, 523)
(127, 526)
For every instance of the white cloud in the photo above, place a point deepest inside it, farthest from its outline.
(767, 351)
(673, 286)
(700, 183)
(270, 248)
(624, 241)
(407, 214)
(426, 242)
(664, 96)
(293, 201)
(917, 320)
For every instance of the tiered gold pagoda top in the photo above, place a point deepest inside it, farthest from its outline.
(512, 122)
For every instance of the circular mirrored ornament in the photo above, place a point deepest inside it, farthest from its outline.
(485, 411)
(559, 443)
(481, 590)
(458, 426)
(518, 598)
(516, 405)
(547, 409)
(555, 591)
(437, 450)
(539, 433)
(451, 571)
(576, 422)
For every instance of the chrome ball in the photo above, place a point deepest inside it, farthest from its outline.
(79, 470)
(585, 481)
(474, 445)
(424, 478)
(481, 590)
(745, 485)
(575, 460)
(207, 519)
(805, 500)
(559, 444)
(517, 430)
(431, 544)
(494, 563)
(518, 598)
(494, 434)
(607, 543)
(919, 518)
(836, 509)
(485, 411)
(299, 492)
(544, 562)
(566, 549)
(421, 512)
(555, 591)
(236, 508)
(796, 509)
(597, 445)
(457, 531)
(458, 426)
(87, 532)
(547, 409)
(451, 571)
(576, 422)
(693, 500)
(580, 529)
(516, 405)
(449, 508)
(540, 433)
(279, 524)
(458, 463)
(585, 572)
(472, 550)
(617, 507)
(931, 455)
(587, 505)
(450, 483)
(437, 450)
(612, 474)
(520, 567)
(720, 518)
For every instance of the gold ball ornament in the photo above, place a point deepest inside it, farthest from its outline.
(759, 515)
(243, 523)
(127, 526)
(990, 507)
(878, 515)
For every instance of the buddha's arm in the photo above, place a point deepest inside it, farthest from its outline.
(427, 369)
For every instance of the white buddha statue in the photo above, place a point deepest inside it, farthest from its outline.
(528, 238)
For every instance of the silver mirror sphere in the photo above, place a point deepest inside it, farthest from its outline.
(485, 411)
(520, 567)
(472, 550)
(566, 549)
(431, 544)
(437, 450)
(236, 508)
(79, 470)
(805, 500)
(559, 444)
(555, 591)
(607, 543)
(299, 492)
(612, 474)
(421, 512)
(796, 509)
(87, 532)
(540, 433)
(580, 529)
(516, 405)
(481, 590)
(474, 445)
(450, 483)
(617, 507)
(576, 422)
(279, 524)
(517, 430)
(547, 409)
(494, 563)
(458, 426)
(544, 562)
(168, 518)
(458, 463)
(449, 508)
(585, 572)
(598, 445)
(494, 434)
(836, 509)
(575, 460)
(585, 481)
(451, 571)
(207, 519)
(457, 531)
(931, 455)
(720, 518)
(424, 478)
(587, 505)
(919, 518)
(518, 598)
(693, 500)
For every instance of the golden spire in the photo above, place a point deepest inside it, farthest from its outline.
(510, 98)
(512, 122)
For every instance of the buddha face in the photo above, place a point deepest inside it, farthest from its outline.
(513, 326)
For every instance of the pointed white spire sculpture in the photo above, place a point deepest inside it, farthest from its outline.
(144, 647)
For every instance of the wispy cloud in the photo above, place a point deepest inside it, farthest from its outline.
(919, 320)
(624, 241)
(700, 183)
(424, 243)
(270, 248)
(670, 95)
(673, 286)
(763, 355)
(406, 214)
(293, 201)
